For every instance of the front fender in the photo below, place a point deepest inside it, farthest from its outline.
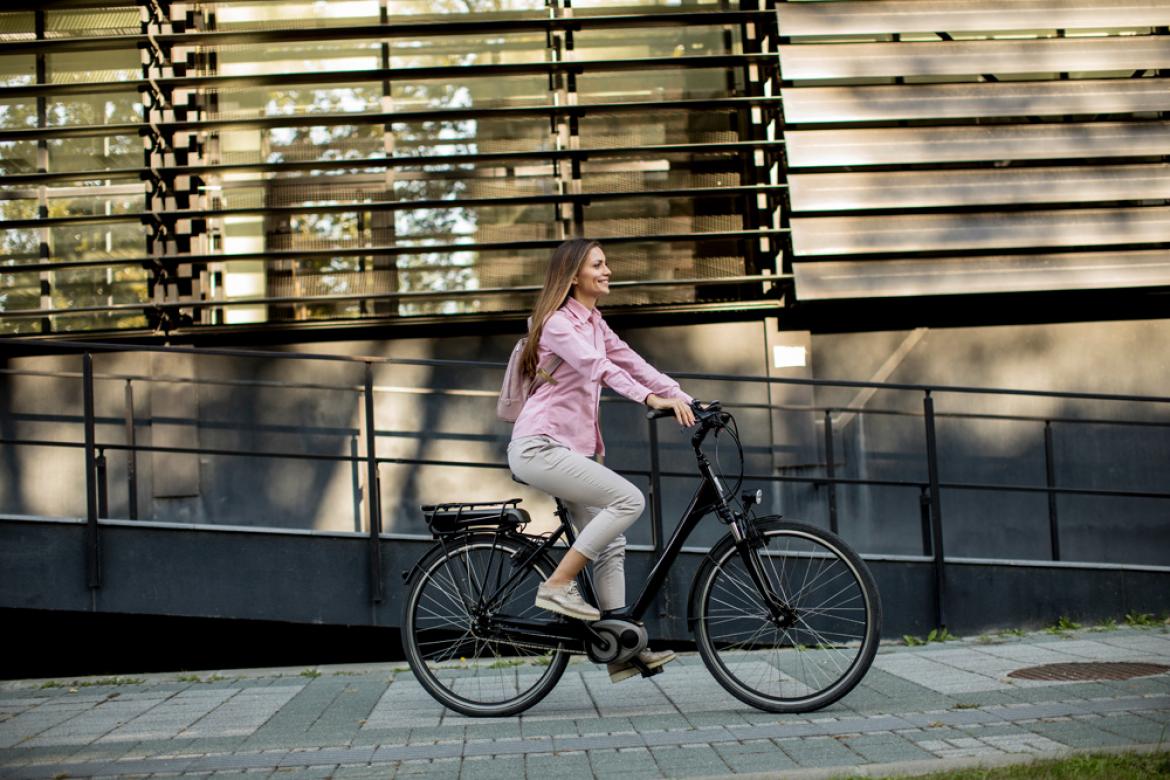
(717, 551)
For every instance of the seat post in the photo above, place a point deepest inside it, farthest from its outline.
(563, 514)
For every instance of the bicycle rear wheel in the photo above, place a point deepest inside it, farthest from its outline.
(446, 631)
(824, 645)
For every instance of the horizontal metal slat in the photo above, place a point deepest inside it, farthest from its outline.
(332, 119)
(337, 78)
(984, 99)
(935, 189)
(909, 145)
(966, 58)
(968, 275)
(900, 16)
(813, 236)
(394, 28)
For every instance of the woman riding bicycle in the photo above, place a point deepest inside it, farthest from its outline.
(557, 435)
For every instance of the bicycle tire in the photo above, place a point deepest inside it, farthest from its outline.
(464, 672)
(822, 655)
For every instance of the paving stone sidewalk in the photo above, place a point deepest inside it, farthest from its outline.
(939, 701)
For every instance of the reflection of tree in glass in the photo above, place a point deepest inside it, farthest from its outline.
(71, 288)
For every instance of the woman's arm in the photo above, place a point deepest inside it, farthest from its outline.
(559, 336)
(620, 353)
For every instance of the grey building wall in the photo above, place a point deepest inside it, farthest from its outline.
(447, 414)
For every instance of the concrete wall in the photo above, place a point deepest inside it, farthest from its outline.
(447, 413)
(1106, 357)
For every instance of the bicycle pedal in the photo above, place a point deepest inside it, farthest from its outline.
(651, 672)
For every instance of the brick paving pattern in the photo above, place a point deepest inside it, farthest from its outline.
(358, 722)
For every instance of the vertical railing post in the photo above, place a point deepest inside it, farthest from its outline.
(1050, 477)
(935, 512)
(131, 455)
(93, 566)
(924, 518)
(656, 530)
(830, 470)
(373, 495)
(103, 485)
(657, 533)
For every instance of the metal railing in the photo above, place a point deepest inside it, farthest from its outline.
(929, 490)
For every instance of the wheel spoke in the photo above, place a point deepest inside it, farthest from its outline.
(462, 663)
(776, 665)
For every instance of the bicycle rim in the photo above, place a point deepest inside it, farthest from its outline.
(826, 650)
(460, 665)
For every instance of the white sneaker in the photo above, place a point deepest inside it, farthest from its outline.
(565, 600)
(653, 660)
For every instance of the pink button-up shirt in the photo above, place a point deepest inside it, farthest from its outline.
(593, 355)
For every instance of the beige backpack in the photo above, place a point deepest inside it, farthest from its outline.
(515, 391)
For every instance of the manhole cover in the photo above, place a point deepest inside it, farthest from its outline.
(1092, 670)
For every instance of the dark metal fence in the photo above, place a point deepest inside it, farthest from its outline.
(930, 490)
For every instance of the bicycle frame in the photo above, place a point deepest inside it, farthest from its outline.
(708, 498)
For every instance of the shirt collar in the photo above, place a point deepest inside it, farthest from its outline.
(578, 310)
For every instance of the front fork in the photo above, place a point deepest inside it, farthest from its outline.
(748, 543)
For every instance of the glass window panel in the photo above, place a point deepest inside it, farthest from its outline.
(666, 127)
(93, 21)
(95, 241)
(95, 154)
(616, 7)
(98, 286)
(17, 113)
(651, 216)
(292, 100)
(104, 201)
(491, 48)
(17, 26)
(666, 172)
(291, 15)
(482, 92)
(19, 291)
(619, 44)
(414, 10)
(662, 84)
(472, 136)
(19, 245)
(90, 66)
(18, 70)
(18, 157)
(103, 109)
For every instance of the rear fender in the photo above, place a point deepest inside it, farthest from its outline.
(525, 543)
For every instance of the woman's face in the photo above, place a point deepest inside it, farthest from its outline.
(592, 280)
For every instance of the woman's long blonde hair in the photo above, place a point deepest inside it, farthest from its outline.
(558, 283)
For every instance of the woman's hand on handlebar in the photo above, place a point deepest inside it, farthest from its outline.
(682, 410)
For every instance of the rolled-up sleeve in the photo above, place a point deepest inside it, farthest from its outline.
(560, 337)
(626, 358)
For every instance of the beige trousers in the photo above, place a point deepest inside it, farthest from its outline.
(602, 504)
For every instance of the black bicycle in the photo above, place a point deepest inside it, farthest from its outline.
(786, 616)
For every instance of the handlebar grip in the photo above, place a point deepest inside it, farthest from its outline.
(657, 414)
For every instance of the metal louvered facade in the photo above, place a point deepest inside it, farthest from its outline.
(180, 166)
(195, 167)
(938, 147)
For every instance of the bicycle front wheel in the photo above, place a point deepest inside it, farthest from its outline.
(818, 650)
(447, 634)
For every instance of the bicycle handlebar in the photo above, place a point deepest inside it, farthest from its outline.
(701, 412)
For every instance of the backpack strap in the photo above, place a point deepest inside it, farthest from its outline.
(545, 374)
